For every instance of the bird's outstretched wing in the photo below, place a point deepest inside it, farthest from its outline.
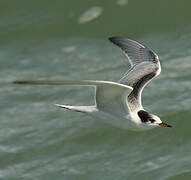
(136, 52)
(110, 97)
(145, 65)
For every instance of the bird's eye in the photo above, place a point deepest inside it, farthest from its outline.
(151, 120)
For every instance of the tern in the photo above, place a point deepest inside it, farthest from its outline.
(119, 103)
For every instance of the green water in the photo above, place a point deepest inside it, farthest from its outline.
(68, 40)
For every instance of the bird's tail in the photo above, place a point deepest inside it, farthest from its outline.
(84, 109)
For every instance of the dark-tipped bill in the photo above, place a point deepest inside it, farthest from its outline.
(164, 125)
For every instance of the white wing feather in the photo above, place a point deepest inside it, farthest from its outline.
(110, 97)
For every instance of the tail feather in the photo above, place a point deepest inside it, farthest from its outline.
(77, 108)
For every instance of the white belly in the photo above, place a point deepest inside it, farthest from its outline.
(117, 121)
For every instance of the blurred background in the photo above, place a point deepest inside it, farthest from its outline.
(69, 40)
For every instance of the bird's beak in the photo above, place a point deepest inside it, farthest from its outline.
(164, 125)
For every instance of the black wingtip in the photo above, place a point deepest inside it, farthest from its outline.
(113, 38)
(22, 82)
(110, 38)
(19, 82)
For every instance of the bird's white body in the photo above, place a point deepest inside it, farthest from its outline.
(126, 122)
(130, 121)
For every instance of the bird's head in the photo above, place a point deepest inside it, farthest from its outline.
(151, 119)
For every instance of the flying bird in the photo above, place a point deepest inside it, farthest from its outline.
(119, 103)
